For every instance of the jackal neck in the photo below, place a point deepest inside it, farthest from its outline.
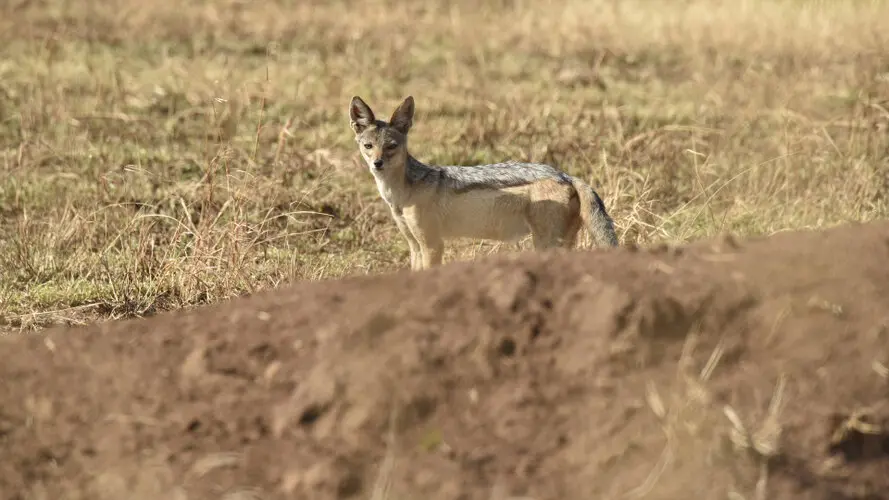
(416, 171)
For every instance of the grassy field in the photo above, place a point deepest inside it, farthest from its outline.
(156, 156)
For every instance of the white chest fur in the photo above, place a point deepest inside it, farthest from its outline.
(392, 194)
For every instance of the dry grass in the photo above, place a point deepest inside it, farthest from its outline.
(159, 156)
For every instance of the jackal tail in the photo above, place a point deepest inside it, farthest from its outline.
(594, 216)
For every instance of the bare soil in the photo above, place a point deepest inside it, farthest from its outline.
(755, 368)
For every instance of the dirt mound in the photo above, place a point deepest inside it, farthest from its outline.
(756, 368)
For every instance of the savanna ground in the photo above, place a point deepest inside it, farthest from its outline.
(159, 155)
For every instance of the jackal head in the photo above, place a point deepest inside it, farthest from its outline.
(383, 145)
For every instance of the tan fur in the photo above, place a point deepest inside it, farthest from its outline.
(550, 209)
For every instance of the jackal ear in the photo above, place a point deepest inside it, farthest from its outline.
(403, 117)
(360, 115)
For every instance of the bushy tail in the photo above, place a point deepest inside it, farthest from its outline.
(594, 215)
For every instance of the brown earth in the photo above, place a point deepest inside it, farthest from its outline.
(555, 376)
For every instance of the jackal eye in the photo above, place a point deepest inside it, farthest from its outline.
(391, 146)
(368, 145)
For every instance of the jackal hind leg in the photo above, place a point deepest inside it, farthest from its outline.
(552, 225)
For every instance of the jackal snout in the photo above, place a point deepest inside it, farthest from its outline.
(376, 154)
(373, 152)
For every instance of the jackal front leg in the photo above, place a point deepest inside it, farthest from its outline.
(427, 234)
(413, 245)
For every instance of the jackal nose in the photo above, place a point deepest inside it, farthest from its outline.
(378, 164)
